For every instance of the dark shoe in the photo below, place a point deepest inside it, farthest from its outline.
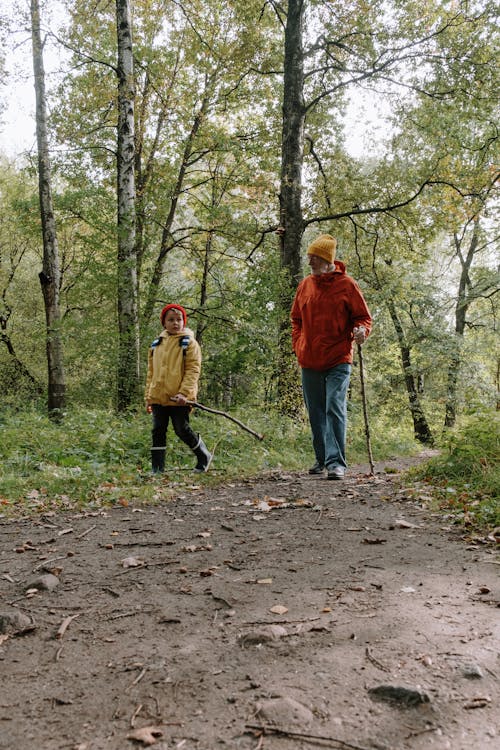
(337, 472)
(158, 460)
(317, 468)
(203, 455)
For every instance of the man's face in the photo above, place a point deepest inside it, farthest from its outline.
(173, 321)
(318, 265)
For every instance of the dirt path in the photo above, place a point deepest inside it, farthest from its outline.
(280, 602)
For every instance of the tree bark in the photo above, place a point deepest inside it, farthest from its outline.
(461, 307)
(421, 429)
(291, 218)
(50, 274)
(128, 349)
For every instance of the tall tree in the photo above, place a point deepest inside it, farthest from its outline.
(50, 274)
(291, 225)
(128, 351)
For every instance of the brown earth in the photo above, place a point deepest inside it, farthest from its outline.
(279, 602)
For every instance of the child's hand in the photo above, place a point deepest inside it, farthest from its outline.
(149, 409)
(180, 399)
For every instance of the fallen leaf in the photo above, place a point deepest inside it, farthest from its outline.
(132, 562)
(263, 505)
(278, 609)
(400, 523)
(275, 501)
(146, 735)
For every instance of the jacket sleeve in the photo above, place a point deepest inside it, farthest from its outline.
(150, 373)
(192, 370)
(360, 314)
(296, 319)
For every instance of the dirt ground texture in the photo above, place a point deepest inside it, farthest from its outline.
(284, 613)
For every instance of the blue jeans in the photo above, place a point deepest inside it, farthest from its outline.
(325, 396)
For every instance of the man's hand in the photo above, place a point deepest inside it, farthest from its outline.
(359, 334)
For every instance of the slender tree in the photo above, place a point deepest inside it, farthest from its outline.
(128, 350)
(50, 274)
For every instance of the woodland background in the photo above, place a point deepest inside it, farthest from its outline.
(189, 151)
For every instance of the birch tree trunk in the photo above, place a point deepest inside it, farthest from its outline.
(128, 349)
(50, 274)
(291, 219)
(461, 308)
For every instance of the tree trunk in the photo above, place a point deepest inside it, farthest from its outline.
(128, 349)
(200, 328)
(421, 429)
(50, 274)
(461, 307)
(291, 220)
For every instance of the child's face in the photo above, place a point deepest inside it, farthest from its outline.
(173, 321)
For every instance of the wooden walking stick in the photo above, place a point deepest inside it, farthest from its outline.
(228, 416)
(365, 411)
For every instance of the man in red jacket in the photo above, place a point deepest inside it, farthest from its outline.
(328, 314)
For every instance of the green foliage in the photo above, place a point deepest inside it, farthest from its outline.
(96, 458)
(465, 477)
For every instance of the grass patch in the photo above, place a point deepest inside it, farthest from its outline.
(96, 458)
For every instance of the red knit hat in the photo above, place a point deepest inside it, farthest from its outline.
(173, 307)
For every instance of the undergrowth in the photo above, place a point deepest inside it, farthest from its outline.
(96, 458)
(464, 479)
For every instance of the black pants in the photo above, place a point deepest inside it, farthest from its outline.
(180, 421)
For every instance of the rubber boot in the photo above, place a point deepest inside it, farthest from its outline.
(158, 460)
(203, 455)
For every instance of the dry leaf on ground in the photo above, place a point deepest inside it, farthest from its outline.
(146, 735)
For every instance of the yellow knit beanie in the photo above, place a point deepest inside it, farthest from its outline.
(324, 246)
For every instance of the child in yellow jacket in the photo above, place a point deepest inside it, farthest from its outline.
(174, 366)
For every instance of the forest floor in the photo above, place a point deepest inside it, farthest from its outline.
(286, 612)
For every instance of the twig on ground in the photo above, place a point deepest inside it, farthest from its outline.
(280, 622)
(44, 563)
(128, 614)
(303, 735)
(375, 661)
(65, 624)
(134, 715)
(137, 679)
(418, 732)
(87, 531)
